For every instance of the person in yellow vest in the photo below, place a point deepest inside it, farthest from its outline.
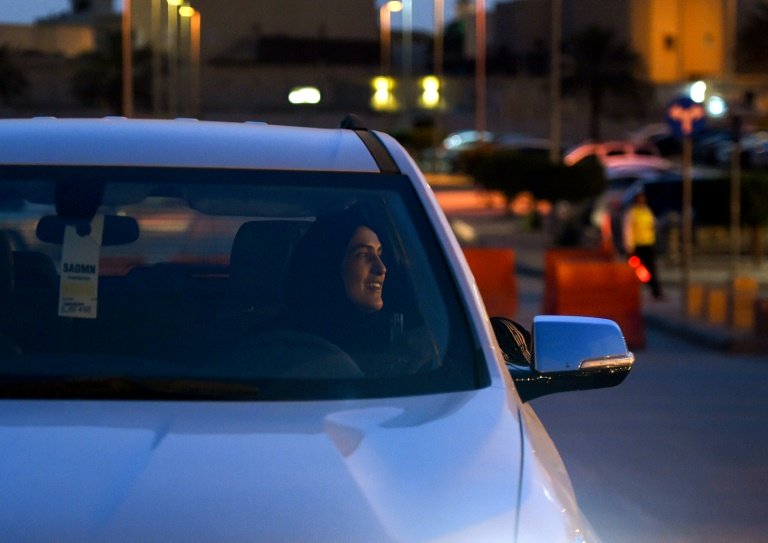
(639, 233)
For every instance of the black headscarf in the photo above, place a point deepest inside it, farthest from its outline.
(318, 302)
(314, 279)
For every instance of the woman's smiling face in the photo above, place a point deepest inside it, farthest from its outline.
(363, 272)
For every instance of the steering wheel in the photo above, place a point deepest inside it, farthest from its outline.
(292, 354)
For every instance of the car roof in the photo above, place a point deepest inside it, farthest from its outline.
(183, 143)
(608, 150)
(636, 161)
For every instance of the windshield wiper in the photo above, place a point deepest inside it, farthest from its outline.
(125, 388)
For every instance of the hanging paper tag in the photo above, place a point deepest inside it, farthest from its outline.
(78, 295)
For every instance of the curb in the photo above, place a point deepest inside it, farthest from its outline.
(711, 336)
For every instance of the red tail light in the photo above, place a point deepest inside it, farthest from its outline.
(641, 271)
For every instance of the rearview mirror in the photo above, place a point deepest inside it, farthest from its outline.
(569, 353)
(118, 230)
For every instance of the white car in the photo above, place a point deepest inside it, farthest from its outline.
(618, 154)
(174, 365)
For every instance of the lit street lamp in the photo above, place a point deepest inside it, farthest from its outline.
(555, 95)
(155, 34)
(407, 40)
(385, 26)
(127, 54)
(196, 27)
(190, 42)
(173, 56)
(437, 68)
(480, 83)
(437, 50)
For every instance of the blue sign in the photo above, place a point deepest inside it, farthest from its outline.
(686, 117)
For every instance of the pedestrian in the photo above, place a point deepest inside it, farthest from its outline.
(639, 234)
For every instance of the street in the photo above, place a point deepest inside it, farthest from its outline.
(678, 453)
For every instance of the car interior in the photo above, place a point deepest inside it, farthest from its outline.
(188, 276)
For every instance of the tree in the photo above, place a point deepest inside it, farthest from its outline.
(599, 65)
(512, 172)
(13, 83)
(98, 77)
(753, 41)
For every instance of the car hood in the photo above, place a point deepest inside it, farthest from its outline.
(443, 467)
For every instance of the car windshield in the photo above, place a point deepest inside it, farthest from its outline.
(169, 283)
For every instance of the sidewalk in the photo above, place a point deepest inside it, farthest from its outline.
(709, 271)
(669, 315)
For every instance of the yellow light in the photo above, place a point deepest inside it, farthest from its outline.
(382, 83)
(304, 95)
(186, 11)
(394, 6)
(430, 83)
(175, 2)
(430, 92)
(383, 99)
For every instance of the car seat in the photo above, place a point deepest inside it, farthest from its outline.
(33, 269)
(258, 263)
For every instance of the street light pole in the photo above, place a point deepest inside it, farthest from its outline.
(687, 221)
(735, 233)
(173, 57)
(195, 52)
(407, 40)
(127, 52)
(384, 39)
(185, 58)
(155, 32)
(480, 76)
(437, 68)
(437, 53)
(407, 88)
(385, 33)
(731, 15)
(555, 119)
(190, 42)
(731, 34)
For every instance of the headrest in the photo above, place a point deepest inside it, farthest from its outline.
(33, 269)
(259, 258)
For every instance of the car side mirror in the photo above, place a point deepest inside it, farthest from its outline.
(568, 353)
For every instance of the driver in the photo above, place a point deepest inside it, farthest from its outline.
(335, 289)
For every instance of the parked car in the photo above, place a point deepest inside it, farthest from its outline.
(165, 372)
(525, 144)
(711, 147)
(753, 150)
(468, 140)
(665, 192)
(613, 153)
(456, 143)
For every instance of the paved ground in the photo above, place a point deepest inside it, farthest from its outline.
(678, 453)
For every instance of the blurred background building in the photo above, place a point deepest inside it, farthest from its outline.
(311, 63)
